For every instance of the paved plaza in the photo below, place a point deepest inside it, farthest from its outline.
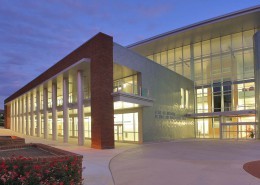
(187, 162)
(95, 162)
(182, 162)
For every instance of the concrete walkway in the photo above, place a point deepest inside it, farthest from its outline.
(185, 162)
(193, 162)
(95, 162)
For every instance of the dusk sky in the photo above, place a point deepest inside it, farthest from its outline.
(35, 34)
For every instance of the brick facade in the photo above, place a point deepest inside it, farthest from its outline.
(7, 116)
(99, 50)
(102, 110)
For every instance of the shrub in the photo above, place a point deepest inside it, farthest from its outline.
(21, 170)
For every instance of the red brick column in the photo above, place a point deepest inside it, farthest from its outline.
(7, 116)
(101, 75)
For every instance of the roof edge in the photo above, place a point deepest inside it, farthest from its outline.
(52, 70)
(200, 23)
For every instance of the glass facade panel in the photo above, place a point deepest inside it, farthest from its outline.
(237, 41)
(157, 58)
(164, 58)
(126, 85)
(215, 46)
(248, 64)
(226, 44)
(171, 57)
(220, 64)
(198, 71)
(126, 127)
(178, 54)
(197, 50)
(248, 38)
(216, 68)
(87, 125)
(206, 64)
(206, 48)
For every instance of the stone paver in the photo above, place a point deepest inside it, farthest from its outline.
(193, 162)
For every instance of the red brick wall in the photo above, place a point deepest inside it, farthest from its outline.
(102, 110)
(7, 116)
(99, 50)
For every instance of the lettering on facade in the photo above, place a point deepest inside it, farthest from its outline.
(165, 115)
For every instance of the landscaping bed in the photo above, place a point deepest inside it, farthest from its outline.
(39, 164)
(11, 140)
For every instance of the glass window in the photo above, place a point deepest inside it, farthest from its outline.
(205, 100)
(248, 38)
(226, 66)
(164, 58)
(206, 48)
(226, 43)
(215, 45)
(150, 57)
(216, 68)
(157, 58)
(178, 68)
(246, 96)
(217, 97)
(178, 54)
(128, 122)
(237, 41)
(197, 50)
(182, 98)
(197, 70)
(87, 125)
(206, 70)
(186, 52)
(170, 56)
(187, 99)
(238, 62)
(248, 64)
(227, 96)
(186, 68)
(249, 95)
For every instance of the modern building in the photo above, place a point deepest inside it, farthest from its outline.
(199, 81)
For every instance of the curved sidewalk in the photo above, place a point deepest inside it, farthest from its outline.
(187, 162)
(95, 162)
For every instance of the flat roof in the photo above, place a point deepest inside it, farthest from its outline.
(222, 25)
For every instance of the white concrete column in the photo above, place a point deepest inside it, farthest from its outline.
(19, 115)
(45, 113)
(12, 116)
(32, 131)
(23, 116)
(80, 108)
(27, 115)
(65, 110)
(54, 111)
(38, 101)
(16, 116)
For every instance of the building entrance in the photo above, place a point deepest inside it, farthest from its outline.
(207, 128)
(238, 127)
(118, 132)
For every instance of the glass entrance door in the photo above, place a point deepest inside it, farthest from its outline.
(118, 131)
(238, 130)
(238, 127)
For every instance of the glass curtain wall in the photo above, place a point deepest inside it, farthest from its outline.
(127, 85)
(126, 127)
(223, 73)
